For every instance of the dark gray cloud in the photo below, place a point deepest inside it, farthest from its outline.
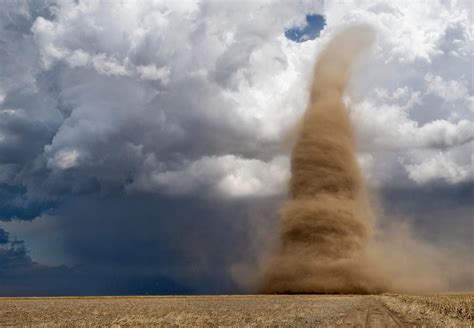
(441, 213)
(143, 244)
(20, 276)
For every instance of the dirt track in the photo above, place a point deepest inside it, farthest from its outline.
(370, 312)
(207, 311)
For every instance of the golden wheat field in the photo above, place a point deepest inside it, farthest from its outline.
(240, 311)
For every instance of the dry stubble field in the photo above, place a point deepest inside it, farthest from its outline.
(241, 311)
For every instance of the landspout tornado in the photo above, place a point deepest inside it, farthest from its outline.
(326, 224)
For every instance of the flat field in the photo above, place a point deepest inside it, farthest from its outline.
(386, 310)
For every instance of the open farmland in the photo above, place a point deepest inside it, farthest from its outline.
(443, 310)
(240, 311)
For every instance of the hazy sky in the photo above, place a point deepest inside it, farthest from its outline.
(141, 143)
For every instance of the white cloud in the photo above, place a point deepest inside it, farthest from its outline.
(408, 31)
(440, 167)
(441, 133)
(223, 176)
(412, 98)
(78, 58)
(230, 85)
(151, 72)
(389, 128)
(447, 90)
(64, 159)
(255, 178)
(109, 66)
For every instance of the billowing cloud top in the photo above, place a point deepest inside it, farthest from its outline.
(149, 132)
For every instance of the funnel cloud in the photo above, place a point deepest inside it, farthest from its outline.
(326, 224)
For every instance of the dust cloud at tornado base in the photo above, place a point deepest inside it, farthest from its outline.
(326, 241)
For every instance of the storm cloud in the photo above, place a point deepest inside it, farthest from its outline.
(141, 143)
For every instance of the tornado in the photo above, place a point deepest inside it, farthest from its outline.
(326, 222)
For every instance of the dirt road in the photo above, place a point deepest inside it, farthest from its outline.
(207, 311)
(370, 312)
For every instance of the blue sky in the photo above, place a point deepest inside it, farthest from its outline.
(312, 29)
(141, 143)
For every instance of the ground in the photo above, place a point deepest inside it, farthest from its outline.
(241, 311)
